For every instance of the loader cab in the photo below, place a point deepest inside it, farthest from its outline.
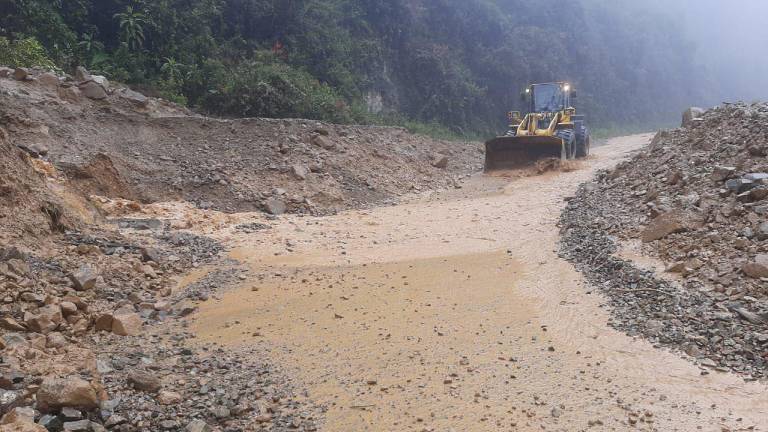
(548, 98)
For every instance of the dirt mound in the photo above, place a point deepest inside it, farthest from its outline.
(130, 146)
(697, 198)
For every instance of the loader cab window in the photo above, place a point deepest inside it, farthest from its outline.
(548, 98)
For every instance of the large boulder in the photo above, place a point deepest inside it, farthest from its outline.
(74, 392)
(692, 114)
(93, 90)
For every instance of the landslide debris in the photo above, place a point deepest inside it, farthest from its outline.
(114, 142)
(92, 315)
(697, 198)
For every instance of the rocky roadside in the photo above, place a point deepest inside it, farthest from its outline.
(93, 339)
(697, 199)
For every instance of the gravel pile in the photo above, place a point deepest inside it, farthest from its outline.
(696, 198)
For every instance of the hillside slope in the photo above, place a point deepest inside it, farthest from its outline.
(133, 147)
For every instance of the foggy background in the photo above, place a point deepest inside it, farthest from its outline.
(731, 39)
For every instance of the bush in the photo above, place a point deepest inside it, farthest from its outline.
(24, 53)
(267, 87)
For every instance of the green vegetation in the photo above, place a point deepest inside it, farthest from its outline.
(443, 67)
(24, 53)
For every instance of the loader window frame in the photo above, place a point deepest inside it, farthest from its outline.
(548, 98)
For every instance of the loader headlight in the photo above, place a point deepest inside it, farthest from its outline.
(567, 87)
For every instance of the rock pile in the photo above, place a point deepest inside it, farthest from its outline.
(697, 198)
(115, 142)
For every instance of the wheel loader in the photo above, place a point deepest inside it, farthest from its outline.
(551, 129)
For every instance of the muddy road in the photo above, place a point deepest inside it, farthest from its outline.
(453, 312)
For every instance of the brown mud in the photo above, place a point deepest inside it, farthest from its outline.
(452, 311)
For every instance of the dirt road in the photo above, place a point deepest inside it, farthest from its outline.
(454, 312)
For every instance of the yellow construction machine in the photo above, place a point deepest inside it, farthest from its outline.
(551, 129)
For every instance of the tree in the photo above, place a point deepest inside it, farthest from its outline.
(132, 27)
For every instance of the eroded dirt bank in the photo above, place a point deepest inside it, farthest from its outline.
(454, 312)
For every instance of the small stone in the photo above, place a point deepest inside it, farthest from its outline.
(45, 320)
(441, 162)
(82, 74)
(68, 308)
(11, 324)
(144, 381)
(322, 141)
(49, 80)
(166, 397)
(56, 340)
(19, 414)
(151, 254)
(84, 278)
(71, 414)
(299, 171)
(275, 206)
(720, 174)
(21, 74)
(758, 268)
(662, 226)
(127, 324)
(198, 426)
(78, 426)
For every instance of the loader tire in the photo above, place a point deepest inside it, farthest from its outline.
(583, 142)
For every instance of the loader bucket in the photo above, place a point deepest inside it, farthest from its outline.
(505, 153)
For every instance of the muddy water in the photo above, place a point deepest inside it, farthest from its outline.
(453, 312)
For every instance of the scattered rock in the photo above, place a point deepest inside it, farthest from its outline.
(691, 114)
(166, 397)
(758, 268)
(322, 141)
(299, 171)
(145, 381)
(275, 206)
(126, 323)
(21, 74)
(198, 426)
(56, 393)
(441, 162)
(93, 90)
(663, 226)
(84, 278)
(49, 80)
